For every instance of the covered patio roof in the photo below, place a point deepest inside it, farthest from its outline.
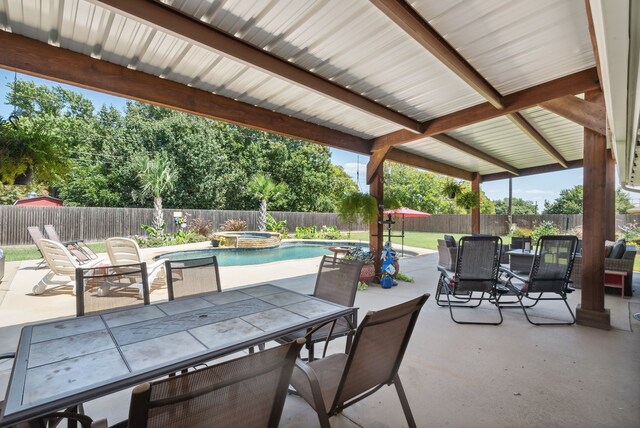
(459, 88)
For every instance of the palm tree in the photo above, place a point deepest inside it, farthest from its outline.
(265, 189)
(156, 177)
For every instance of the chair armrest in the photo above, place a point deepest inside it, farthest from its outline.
(510, 274)
(314, 384)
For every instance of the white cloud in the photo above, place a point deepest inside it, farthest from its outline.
(539, 192)
(352, 167)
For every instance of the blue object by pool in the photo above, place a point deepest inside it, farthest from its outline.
(241, 256)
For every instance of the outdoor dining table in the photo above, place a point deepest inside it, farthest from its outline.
(65, 362)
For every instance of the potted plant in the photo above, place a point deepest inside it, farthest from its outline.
(368, 272)
(355, 205)
(468, 200)
(452, 189)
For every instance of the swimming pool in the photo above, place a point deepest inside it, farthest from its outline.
(242, 256)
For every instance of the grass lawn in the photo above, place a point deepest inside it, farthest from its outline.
(30, 252)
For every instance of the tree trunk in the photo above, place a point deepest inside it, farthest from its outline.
(158, 218)
(262, 215)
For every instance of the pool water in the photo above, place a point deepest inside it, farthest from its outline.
(241, 257)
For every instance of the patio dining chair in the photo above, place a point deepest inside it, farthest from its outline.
(334, 383)
(125, 251)
(475, 278)
(337, 282)
(191, 277)
(62, 264)
(244, 392)
(104, 288)
(549, 278)
(77, 247)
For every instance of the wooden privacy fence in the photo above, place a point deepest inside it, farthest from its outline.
(96, 224)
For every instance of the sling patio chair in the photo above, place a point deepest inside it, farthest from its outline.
(475, 278)
(125, 251)
(549, 278)
(77, 247)
(105, 288)
(245, 392)
(36, 236)
(334, 383)
(192, 277)
(62, 264)
(337, 282)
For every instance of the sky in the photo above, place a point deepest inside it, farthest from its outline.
(537, 188)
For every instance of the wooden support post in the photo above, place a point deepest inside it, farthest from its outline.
(475, 212)
(591, 311)
(610, 199)
(376, 232)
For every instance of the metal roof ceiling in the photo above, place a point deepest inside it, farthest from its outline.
(512, 44)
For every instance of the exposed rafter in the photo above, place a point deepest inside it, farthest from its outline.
(417, 27)
(411, 159)
(375, 160)
(585, 113)
(470, 150)
(164, 18)
(533, 171)
(533, 133)
(568, 85)
(36, 58)
(594, 41)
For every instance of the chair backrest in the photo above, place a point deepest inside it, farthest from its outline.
(517, 242)
(123, 251)
(59, 259)
(478, 263)
(193, 276)
(103, 288)
(248, 391)
(552, 263)
(378, 348)
(337, 280)
(36, 235)
(51, 233)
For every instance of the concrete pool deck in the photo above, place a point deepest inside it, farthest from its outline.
(510, 375)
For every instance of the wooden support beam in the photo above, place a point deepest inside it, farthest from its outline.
(576, 83)
(610, 199)
(524, 172)
(594, 41)
(475, 212)
(167, 19)
(419, 29)
(591, 311)
(376, 232)
(533, 133)
(586, 114)
(375, 161)
(470, 150)
(410, 159)
(25, 55)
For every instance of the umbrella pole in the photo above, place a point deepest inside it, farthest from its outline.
(402, 250)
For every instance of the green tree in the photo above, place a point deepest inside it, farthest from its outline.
(518, 206)
(265, 188)
(623, 202)
(156, 177)
(569, 202)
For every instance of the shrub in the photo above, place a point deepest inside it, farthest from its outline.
(233, 225)
(305, 232)
(630, 232)
(357, 253)
(201, 226)
(545, 227)
(153, 232)
(520, 232)
(577, 231)
(271, 225)
(329, 232)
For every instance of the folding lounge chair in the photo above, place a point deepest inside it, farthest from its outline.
(475, 278)
(337, 282)
(36, 236)
(549, 278)
(77, 247)
(125, 251)
(336, 382)
(62, 264)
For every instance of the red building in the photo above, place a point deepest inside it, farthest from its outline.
(40, 201)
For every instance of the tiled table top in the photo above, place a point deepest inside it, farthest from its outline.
(61, 363)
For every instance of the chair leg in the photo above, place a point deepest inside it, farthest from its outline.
(497, 305)
(405, 403)
(562, 297)
(310, 350)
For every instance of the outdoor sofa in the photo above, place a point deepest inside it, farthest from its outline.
(623, 264)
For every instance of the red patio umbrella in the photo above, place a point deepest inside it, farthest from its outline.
(403, 212)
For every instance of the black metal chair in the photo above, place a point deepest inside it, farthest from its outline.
(549, 278)
(191, 277)
(337, 282)
(336, 382)
(476, 272)
(105, 288)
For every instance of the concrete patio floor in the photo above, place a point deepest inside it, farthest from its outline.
(512, 375)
